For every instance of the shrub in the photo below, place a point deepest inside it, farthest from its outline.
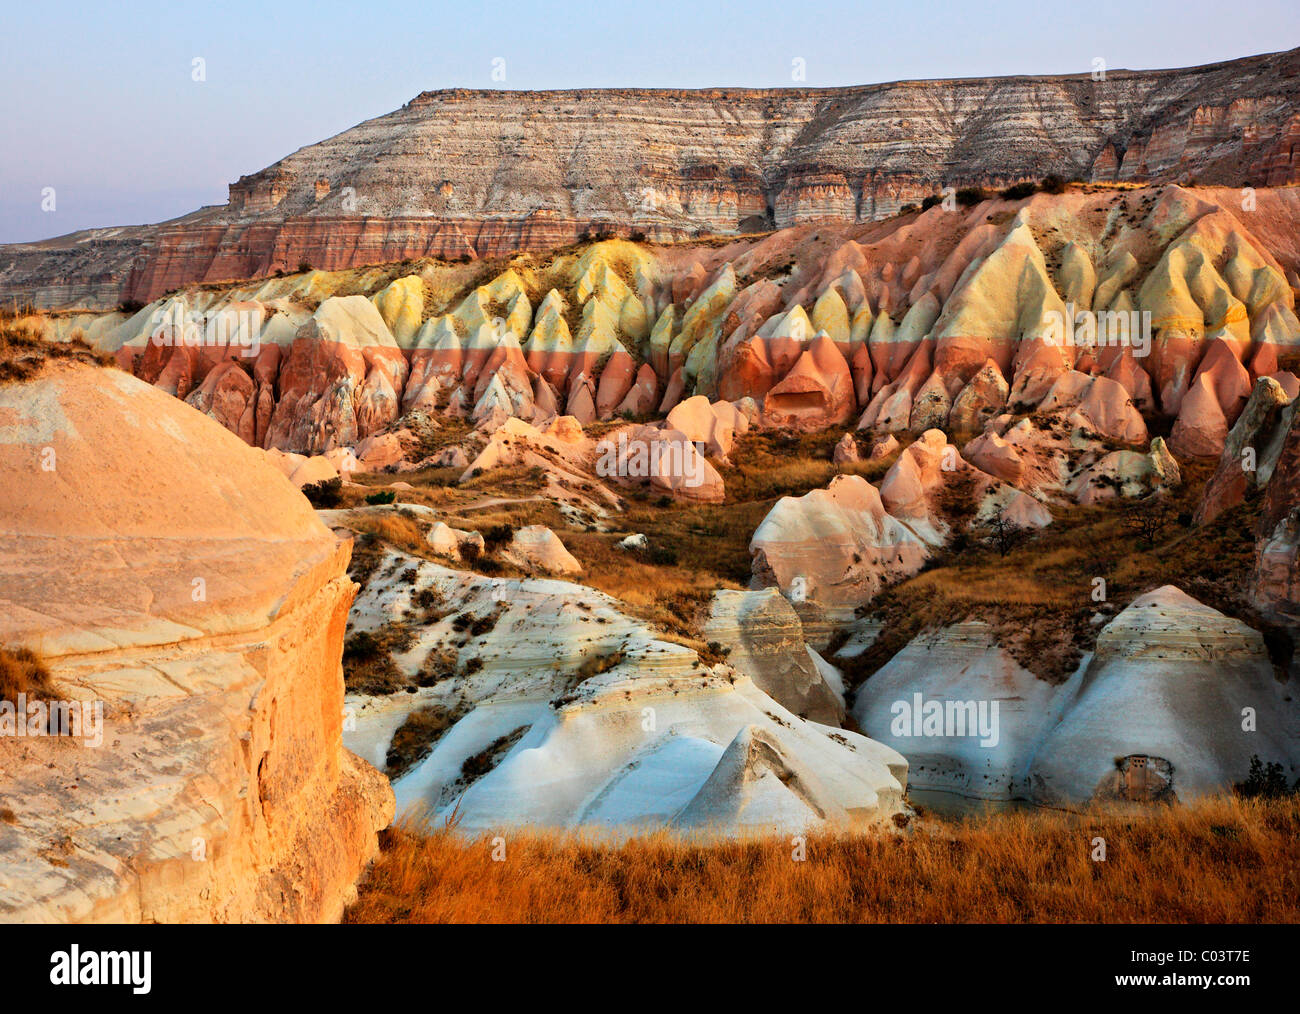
(381, 497)
(497, 535)
(23, 672)
(661, 556)
(1019, 191)
(931, 201)
(304, 267)
(324, 494)
(1052, 184)
(968, 197)
(1265, 781)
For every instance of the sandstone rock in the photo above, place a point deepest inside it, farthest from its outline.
(222, 712)
(722, 757)
(816, 393)
(697, 420)
(537, 548)
(1250, 452)
(452, 542)
(1201, 429)
(764, 640)
(983, 397)
(1167, 683)
(836, 546)
(846, 451)
(957, 673)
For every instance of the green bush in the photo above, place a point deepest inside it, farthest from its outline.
(970, 196)
(381, 497)
(1052, 184)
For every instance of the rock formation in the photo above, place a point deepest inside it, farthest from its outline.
(570, 714)
(630, 160)
(171, 576)
(1155, 714)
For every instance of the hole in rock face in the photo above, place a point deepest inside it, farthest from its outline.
(1138, 778)
(798, 401)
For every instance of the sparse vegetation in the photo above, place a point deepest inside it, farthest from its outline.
(415, 738)
(368, 666)
(324, 495)
(22, 671)
(1019, 191)
(1265, 781)
(24, 353)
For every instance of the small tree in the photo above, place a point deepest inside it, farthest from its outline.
(1265, 781)
(1148, 519)
(1003, 534)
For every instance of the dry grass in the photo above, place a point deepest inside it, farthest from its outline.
(415, 737)
(1223, 860)
(24, 353)
(22, 671)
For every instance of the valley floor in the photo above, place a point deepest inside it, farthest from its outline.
(1222, 860)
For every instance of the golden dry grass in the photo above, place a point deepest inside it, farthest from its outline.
(1223, 860)
(22, 671)
(24, 352)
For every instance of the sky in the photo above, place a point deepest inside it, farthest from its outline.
(106, 118)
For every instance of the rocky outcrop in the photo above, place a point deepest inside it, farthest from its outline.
(172, 578)
(1176, 686)
(950, 321)
(568, 713)
(763, 639)
(835, 547)
(965, 714)
(537, 548)
(1173, 704)
(442, 176)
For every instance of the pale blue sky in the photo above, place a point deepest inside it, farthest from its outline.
(99, 103)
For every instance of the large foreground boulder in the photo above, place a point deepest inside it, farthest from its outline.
(178, 585)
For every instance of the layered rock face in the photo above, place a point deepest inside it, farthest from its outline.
(1098, 308)
(764, 639)
(175, 580)
(489, 173)
(1173, 704)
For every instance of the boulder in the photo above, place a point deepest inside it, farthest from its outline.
(763, 638)
(187, 590)
(537, 548)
